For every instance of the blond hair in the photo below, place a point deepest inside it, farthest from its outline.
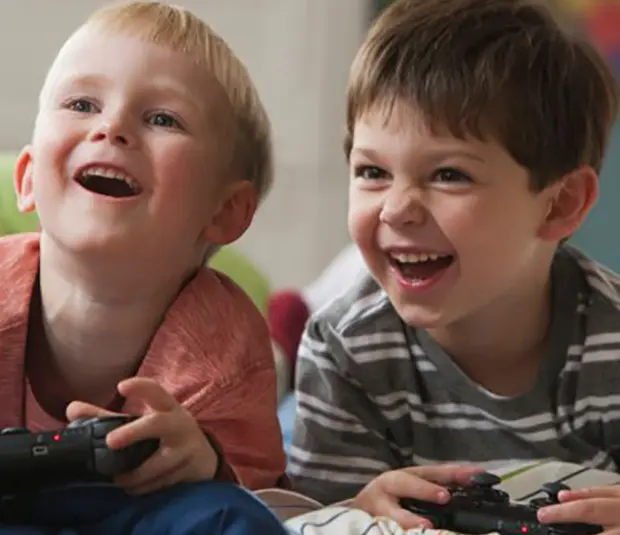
(182, 31)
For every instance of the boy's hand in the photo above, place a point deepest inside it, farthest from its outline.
(382, 495)
(185, 453)
(594, 505)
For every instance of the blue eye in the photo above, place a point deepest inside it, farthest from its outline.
(369, 172)
(81, 105)
(164, 120)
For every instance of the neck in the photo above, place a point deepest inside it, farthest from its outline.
(98, 321)
(501, 347)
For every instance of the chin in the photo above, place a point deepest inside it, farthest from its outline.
(92, 241)
(418, 315)
(421, 319)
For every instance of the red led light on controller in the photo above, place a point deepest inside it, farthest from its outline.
(57, 438)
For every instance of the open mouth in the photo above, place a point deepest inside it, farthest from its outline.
(420, 267)
(108, 182)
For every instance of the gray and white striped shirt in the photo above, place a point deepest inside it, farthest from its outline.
(374, 394)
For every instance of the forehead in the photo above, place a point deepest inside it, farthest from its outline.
(94, 55)
(401, 129)
(399, 126)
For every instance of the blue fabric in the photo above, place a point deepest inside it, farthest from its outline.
(286, 416)
(210, 508)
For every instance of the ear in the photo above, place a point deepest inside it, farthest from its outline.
(22, 179)
(234, 215)
(569, 202)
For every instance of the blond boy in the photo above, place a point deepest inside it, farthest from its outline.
(151, 149)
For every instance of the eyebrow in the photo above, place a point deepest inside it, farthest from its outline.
(179, 91)
(437, 154)
(161, 88)
(84, 80)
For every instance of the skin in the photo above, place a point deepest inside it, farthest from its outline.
(413, 190)
(417, 190)
(149, 111)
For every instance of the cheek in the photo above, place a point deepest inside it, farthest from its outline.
(489, 236)
(462, 223)
(363, 217)
(186, 182)
(178, 168)
(50, 166)
(472, 221)
(55, 144)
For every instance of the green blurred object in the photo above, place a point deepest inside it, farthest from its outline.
(228, 260)
(11, 220)
(240, 269)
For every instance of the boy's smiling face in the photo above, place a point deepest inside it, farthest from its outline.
(129, 152)
(448, 226)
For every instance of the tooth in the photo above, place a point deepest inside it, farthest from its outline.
(412, 258)
(109, 173)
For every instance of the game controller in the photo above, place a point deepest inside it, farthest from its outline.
(76, 454)
(481, 508)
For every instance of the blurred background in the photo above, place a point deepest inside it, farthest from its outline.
(299, 53)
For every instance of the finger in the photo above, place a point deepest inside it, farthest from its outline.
(149, 392)
(446, 474)
(81, 409)
(176, 475)
(154, 425)
(609, 491)
(601, 511)
(403, 484)
(161, 464)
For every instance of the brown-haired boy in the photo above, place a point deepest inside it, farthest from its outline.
(476, 130)
(151, 148)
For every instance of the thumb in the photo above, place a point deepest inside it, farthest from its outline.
(81, 409)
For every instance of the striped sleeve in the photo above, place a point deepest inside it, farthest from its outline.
(340, 443)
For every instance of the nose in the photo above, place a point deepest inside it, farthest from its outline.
(402, 207)
(115, 130)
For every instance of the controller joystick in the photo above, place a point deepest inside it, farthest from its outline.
(485, 479)
(551, 490)
(76, 454)
(481, 489)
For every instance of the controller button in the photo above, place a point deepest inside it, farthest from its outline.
(99, 431)
(39, 451)
(102, 426)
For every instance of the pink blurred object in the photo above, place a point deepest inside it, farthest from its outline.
(287, 314)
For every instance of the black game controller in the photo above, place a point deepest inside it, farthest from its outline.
(76, 454)
(480, 508)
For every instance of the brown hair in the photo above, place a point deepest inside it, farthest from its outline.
(183, 31)
(501, 68)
